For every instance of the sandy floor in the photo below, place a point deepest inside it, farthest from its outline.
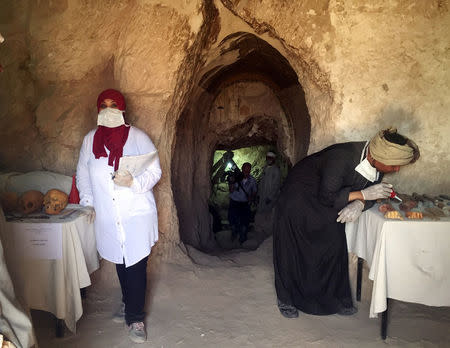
(229, 301)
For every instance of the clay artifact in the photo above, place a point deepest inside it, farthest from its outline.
(418, 197)
(386, 207)
(416, 215)
(407, 205)
(393, 215)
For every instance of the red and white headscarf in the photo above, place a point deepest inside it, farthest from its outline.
(113, 138)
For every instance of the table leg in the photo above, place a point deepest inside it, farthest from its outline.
(384, 321)
(59, 327)
(359, 278)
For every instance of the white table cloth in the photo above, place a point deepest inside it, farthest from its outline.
(409, 260)
(54, 285)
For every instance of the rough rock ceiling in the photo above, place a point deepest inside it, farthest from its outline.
(255, 57)
(256, 131)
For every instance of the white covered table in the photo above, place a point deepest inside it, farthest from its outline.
(409, 260)
(53, 283)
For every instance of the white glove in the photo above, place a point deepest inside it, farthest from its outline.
(351, 212)
(378, 191)
(123, 178)
(90, 213)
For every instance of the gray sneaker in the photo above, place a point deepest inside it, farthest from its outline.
(137, 332)
(119, 315)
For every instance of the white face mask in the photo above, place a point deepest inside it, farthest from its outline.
(367, 171)
(110, 118)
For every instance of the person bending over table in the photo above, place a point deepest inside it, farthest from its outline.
(123, 206)
(320, 194)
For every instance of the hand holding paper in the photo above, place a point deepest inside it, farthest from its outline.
(123, 178)
(136, 165)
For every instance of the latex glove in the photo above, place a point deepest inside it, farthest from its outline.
(90, 213)
(351, 212)
(123, 178)
(378, 191)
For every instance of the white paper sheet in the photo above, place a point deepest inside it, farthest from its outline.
(136, 165)
(37, 241)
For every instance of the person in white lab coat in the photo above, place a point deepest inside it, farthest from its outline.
(122, 207)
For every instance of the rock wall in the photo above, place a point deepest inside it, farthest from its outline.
(361, 67)
(368, 66)
(243, 101)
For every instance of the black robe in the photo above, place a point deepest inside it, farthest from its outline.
(310, 247)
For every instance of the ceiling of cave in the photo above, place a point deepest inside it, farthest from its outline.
(244, 57)
(255, 131)
(255, 58)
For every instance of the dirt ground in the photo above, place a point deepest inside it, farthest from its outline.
(230, 301)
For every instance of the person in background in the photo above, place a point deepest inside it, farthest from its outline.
(321, 193)
(242, 194)
(270, 183)
(268, 190)
(122, 205)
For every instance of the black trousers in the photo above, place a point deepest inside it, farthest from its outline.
(239, 215)
(133, 281)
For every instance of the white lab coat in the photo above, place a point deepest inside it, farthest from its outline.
(126, 222)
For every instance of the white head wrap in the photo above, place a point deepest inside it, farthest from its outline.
(392, 154)
(271, 154)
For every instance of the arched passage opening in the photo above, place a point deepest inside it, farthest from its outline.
(247, 95)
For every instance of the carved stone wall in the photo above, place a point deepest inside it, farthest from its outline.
(340, 70)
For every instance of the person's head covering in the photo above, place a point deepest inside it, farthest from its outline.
(114, 95)
(390, 153)
(271, 154)
(113, 138)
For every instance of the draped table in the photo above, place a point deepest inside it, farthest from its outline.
(409, 260)
(52, 283)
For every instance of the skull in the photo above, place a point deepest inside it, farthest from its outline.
(9, 201)
(55, 201)
(31, 201)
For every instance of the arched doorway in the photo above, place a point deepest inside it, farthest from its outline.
(248, 95)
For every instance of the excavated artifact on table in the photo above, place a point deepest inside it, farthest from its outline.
(435, 211)
(417, 215)
(418, 197)
(440, 204)
(55, 201)
(9, 201)
(385, 208)
(393, 215)
(407, 205)
(31, 201)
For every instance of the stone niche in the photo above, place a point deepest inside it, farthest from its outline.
(249, 95)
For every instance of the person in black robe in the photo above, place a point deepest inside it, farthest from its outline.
(320, 194)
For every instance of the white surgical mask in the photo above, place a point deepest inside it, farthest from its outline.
(110, 118)
(367, 171)
(365, 168)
